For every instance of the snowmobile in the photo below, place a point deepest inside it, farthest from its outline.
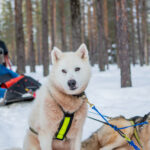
(14, 87)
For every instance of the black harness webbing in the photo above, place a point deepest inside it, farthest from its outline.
(64, 126)
(33, 131)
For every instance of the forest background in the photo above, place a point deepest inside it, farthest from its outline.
(115, 32)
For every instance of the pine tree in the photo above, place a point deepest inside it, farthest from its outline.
(145, 31)
(62, 25)
(94, 30)
(106, 39)
(19, 37)
(133, 50)
(123, 45)
(31, 50)
(75, 23)
(90, 34)
(100, 35)
(53, 22)
(140, 46)
(83, 21)
(38, 32)
(45, 52)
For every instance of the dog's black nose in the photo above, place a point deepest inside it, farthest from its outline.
(72, 84)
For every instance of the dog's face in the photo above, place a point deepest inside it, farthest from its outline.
(71, 71)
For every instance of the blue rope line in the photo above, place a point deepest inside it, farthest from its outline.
(98, 115)
(138, 124)
(133, 145)
(94, 108)
(115, 128)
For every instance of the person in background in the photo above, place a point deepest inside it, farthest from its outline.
(3, 48)
(3, 53)
(3, 60)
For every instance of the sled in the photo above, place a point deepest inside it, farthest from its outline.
(14, 87)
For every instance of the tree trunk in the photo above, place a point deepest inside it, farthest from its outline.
(53, 23)
(90, 34)
(45, 55)
(100, 43)
(116, 37)
(75, 23)
(38, 34)
(123, 46)
(62, 26)
(19, 37)
(133, 52)
(12, 34)
(31, 50)
(70, 40)
(83, 21)
(106, 41)
(140, 47)
(144, 32)
(94, 28)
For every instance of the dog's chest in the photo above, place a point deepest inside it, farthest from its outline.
(77, 123)
(55, 116)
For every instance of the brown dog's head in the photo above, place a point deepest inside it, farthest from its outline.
(145, 118)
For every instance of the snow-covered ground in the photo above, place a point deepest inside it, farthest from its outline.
(104, 91)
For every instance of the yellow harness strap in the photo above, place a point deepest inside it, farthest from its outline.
(66, 122)
(64, 126)
(136, 135)
(63, 129)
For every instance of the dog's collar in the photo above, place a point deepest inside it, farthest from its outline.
(79, 95)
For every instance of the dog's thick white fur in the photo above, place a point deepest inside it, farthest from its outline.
(46, 113)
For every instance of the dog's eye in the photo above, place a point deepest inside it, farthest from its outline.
(77, 69)
(64, 71)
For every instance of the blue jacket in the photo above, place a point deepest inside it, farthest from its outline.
(3, 71)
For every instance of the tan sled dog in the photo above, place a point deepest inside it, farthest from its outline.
(58, 97)
(108, 139)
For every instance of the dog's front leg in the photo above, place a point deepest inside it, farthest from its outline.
(45, 139)
(76, 142)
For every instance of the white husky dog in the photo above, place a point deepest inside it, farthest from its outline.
(60, 95)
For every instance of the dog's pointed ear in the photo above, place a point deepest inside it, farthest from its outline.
(82, 51)
(56, 55)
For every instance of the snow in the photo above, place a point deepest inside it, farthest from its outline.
(1, 99)
(104, 91)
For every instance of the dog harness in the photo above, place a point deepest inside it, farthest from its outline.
(136, 135)
(63, 128)
(64, 125)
